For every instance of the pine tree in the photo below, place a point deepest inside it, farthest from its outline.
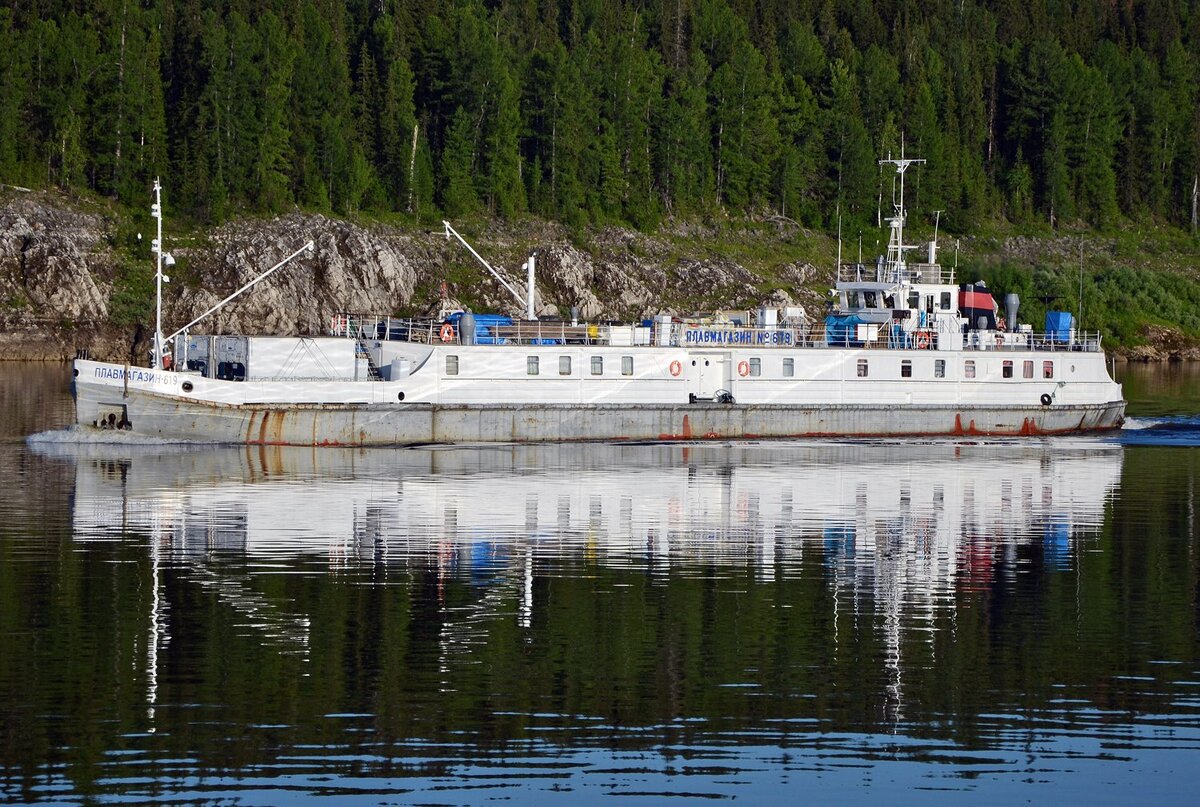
(275, 142)
(684, 153)
(458, 194)
(14, 91)
(504, 175)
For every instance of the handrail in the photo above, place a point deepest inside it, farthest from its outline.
(892, 335)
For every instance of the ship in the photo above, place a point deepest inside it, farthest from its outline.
(904, 350)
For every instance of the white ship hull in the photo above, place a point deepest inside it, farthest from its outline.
(665, 396)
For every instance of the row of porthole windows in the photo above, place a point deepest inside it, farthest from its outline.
(939, 368)
(533, 365)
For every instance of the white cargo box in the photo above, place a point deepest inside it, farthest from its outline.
(620, 335)
(300, 357)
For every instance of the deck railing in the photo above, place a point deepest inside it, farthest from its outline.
(887, 336)
(928, 273)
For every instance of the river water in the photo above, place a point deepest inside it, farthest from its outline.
(847, 621)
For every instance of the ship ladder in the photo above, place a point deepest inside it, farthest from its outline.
(360, 350)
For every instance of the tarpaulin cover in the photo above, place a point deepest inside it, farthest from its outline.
(1058, 325)
(842, 330)
(484, 323)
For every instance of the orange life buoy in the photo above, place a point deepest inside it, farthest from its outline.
(921, 340)
(447, 332)
(743, 368)
(676, 368)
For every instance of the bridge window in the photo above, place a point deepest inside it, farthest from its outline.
(862, 368)
(1027, 370)
(452, 365)
(1007, 370)
(597, 365)
(939, 368)
(531, 365)
(1047, 369)
(914, 299)
(756, 367)
(627, 365)
(906, 368)
(564, 365)
(969, 368)
(789, 368)
(945, 301)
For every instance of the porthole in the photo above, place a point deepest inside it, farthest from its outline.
(75, 373)
(188, 386)
(400, 396)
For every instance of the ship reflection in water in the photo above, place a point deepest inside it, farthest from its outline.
(907, 524)
(671, 596)
(904, 526)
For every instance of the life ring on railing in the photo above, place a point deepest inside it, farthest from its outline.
(1047, 399)
(921, 340)
(447, 332)
(743, 368)
(676, 368)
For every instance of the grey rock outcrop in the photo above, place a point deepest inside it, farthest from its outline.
(60, 268)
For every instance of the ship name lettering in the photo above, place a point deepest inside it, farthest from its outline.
(699, 336)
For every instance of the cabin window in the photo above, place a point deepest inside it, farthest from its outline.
(789, 368)
(1007, 369)
(627, 365)
(564, 365)
(597, 365)
(852, 299)
(231, 371)
(1027, 370)
(914, 299)
(945, 301)
(939, 368)
(452, 365)
(756, 367)
(969, 368)
(906, 368)
(869, 299)
(862, 368)
(531, 365)
(1047, 369)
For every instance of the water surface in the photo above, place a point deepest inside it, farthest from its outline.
(850, 621)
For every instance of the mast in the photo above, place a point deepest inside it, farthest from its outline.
(896, 246)
(160, 257)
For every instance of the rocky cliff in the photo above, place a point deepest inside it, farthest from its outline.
(63, 266)
(73, 276)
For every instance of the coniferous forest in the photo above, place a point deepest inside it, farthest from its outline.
(610, 111)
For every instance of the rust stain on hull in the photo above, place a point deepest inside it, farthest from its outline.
(337, 426)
